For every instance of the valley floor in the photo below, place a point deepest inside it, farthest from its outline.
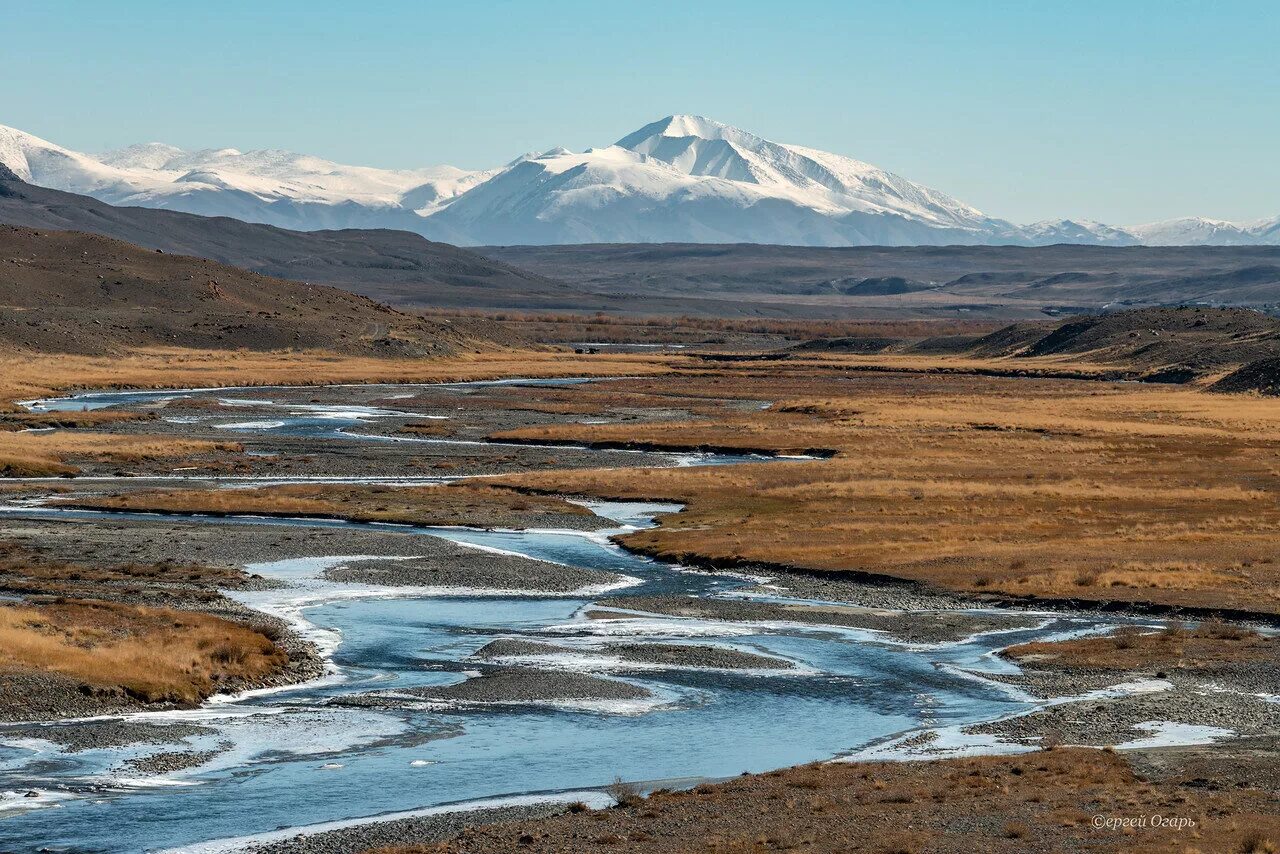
(936, 492)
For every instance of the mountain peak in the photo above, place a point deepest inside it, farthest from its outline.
(682, 126)
(699, 126)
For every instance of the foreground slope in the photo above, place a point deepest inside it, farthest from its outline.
(68, 292)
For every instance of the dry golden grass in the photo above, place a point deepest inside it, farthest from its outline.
(152, 654)
(650, 393)
(426, 428)
(1130, 648)
(1066, 489)
(54, 453)
(454, 504)
(1060, 489)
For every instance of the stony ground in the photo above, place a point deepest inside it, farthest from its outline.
(1061, 800)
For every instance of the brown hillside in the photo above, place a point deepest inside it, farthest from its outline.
(68, 292)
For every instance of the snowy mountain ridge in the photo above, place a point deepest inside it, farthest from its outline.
(679, 179)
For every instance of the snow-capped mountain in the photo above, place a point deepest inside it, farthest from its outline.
(679, 179)
(1050, 231)
(276, 187)
(1198, 231)
(686, 178)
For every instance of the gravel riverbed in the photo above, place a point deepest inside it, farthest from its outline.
(405, 831)
(448, 565)
(667, 654)
(1100, 708)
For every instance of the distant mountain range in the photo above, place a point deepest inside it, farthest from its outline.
(680, 179)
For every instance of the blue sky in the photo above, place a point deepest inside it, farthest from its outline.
(1119, 111)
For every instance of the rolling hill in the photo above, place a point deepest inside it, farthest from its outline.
(68, 292)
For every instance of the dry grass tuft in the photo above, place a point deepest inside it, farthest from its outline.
(1255, 842)
(624, 793)
(1016, 830)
